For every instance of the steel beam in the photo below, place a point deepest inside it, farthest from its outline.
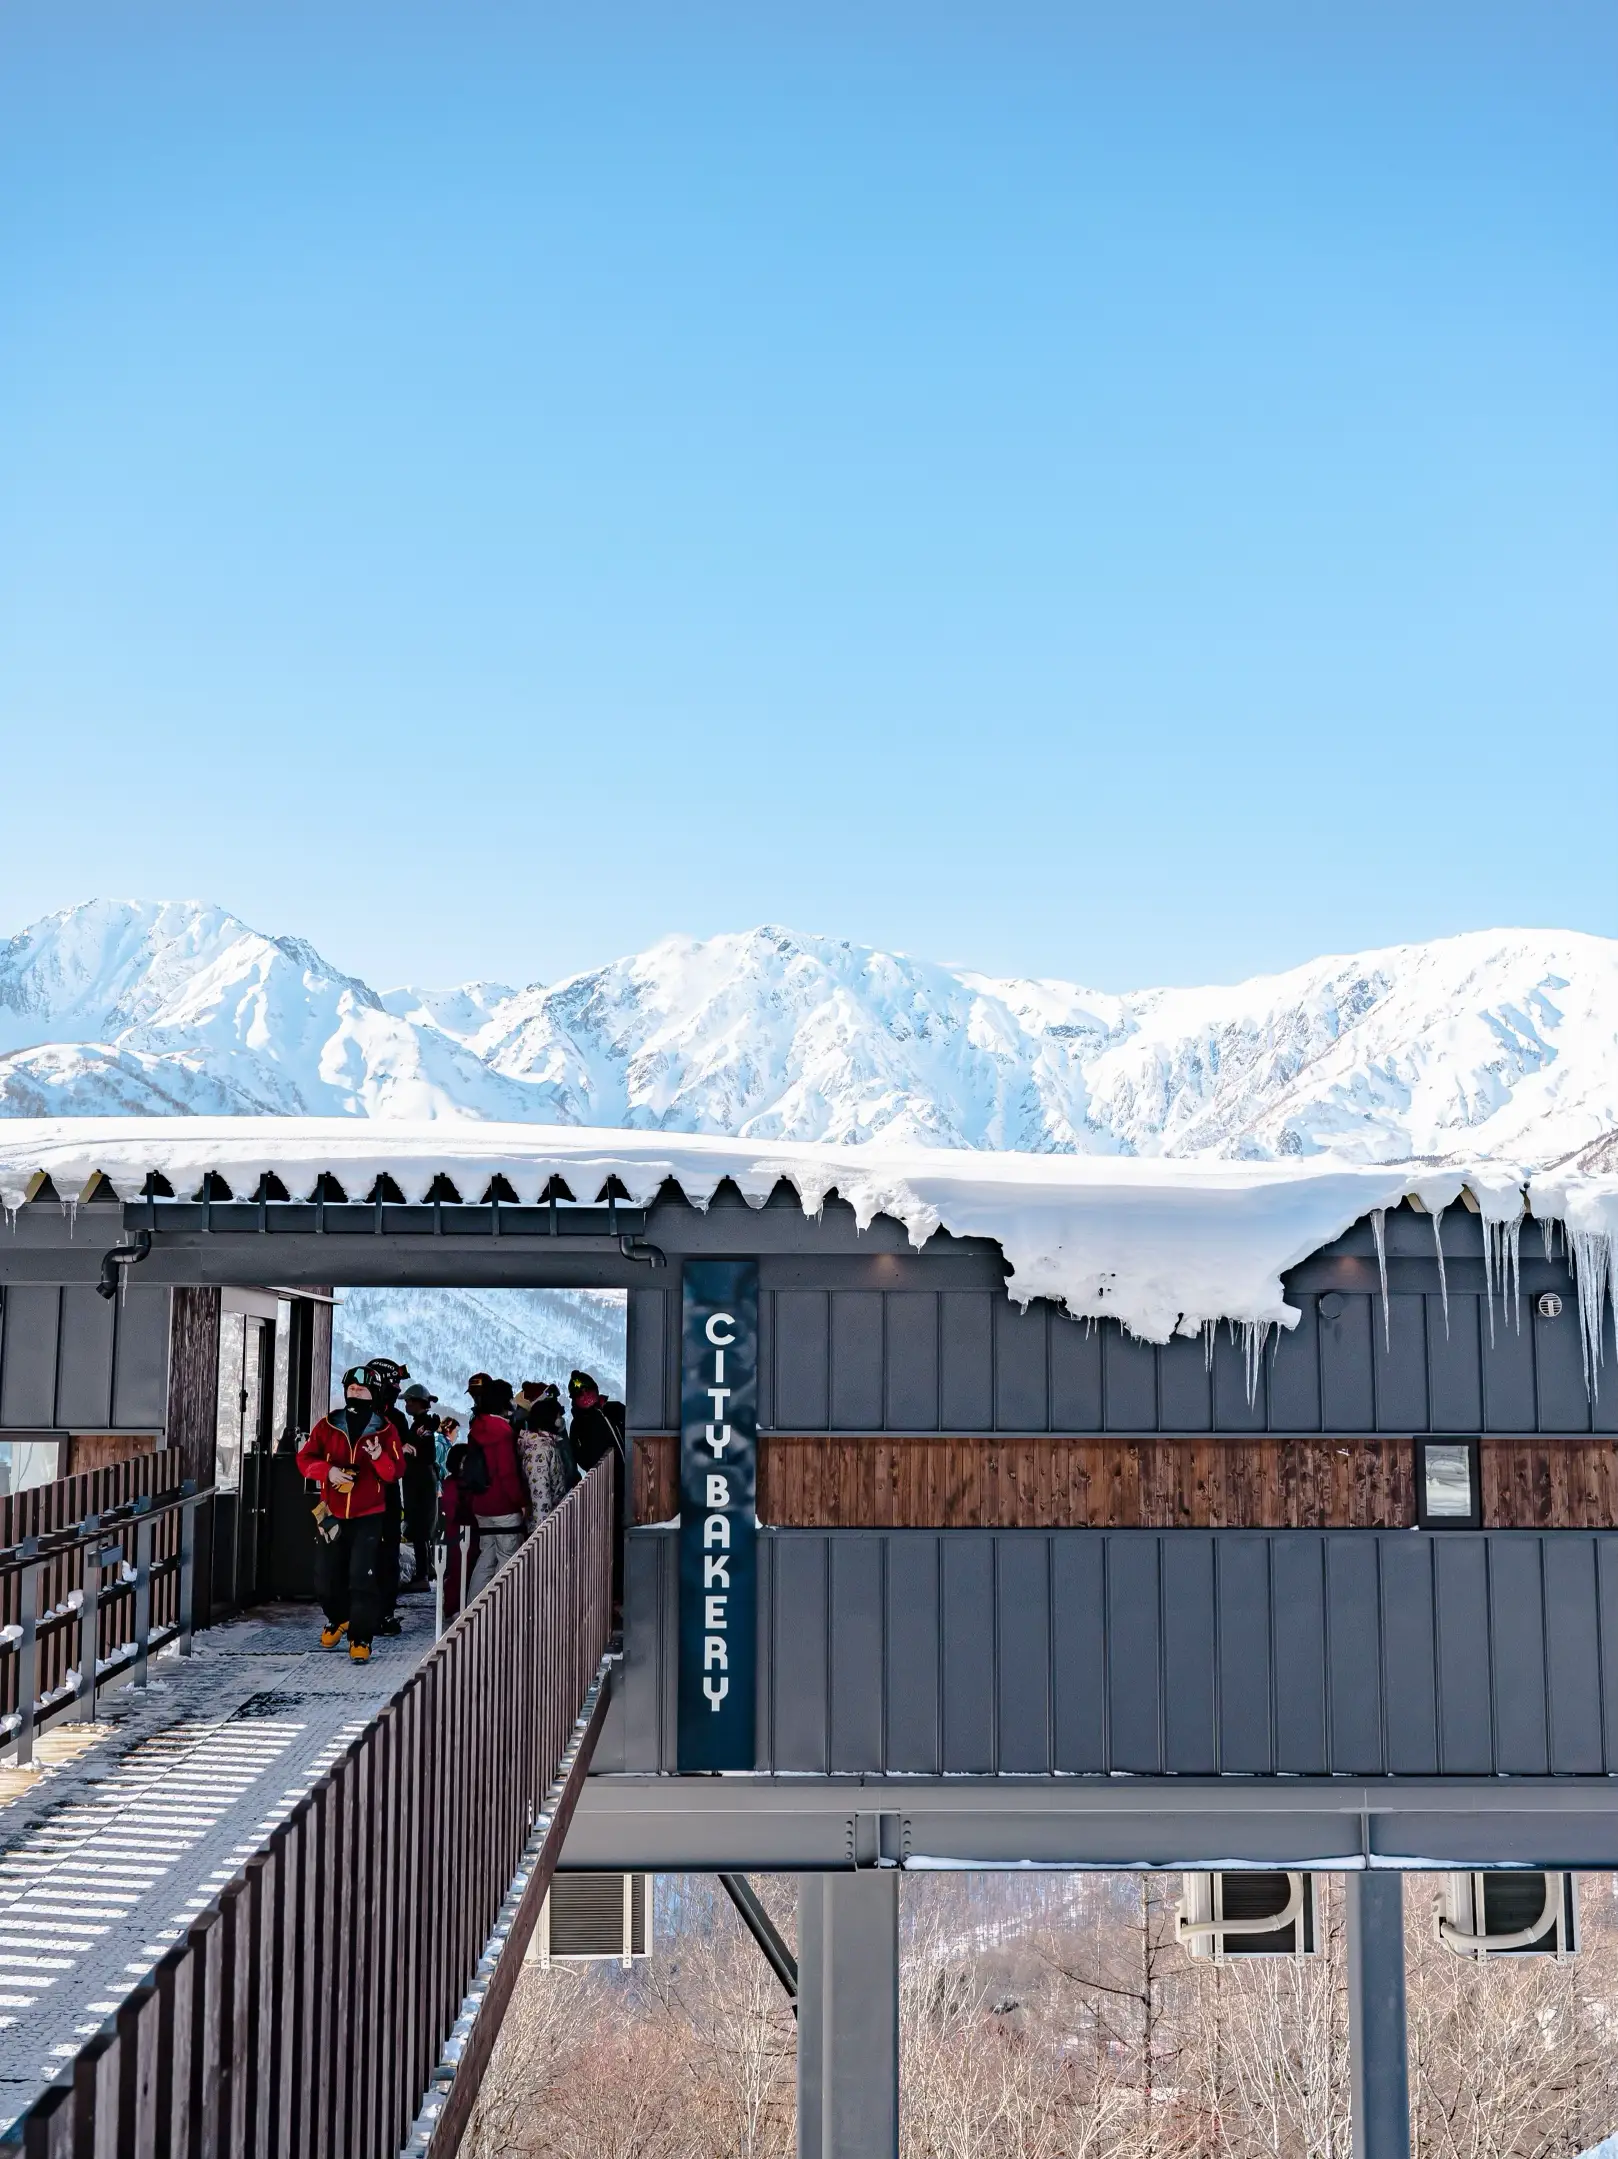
(1378, 2071)
(797, 1825)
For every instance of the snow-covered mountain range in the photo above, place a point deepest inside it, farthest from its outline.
(1500, 1043)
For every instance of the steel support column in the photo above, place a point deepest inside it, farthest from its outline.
(848, 2015)
(811, 2000)
(1378, 2069)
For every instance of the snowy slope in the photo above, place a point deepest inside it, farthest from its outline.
(445, 1335)
(1501, 1044)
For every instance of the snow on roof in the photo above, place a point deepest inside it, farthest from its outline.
(1163, 1246)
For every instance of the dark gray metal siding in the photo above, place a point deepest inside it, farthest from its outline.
(1183, 1652)
(72, 1360)
(912, 1343)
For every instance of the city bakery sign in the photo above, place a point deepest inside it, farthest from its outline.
(718, 1480)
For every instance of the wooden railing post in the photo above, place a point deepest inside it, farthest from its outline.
(28, 1655)
(89, 1621)
(143, 1592)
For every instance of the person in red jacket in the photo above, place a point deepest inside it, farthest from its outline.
(491, 1481)
(353, 1455)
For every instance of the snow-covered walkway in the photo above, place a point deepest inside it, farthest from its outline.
(107, 1860)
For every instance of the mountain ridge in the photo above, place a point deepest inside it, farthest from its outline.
(1499, 1043)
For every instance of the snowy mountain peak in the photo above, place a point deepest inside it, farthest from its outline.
(1499, 1042)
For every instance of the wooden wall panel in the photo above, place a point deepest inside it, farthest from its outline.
(193, 1419)
(1360, 1481)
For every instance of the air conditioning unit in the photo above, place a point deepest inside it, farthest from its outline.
(594, 1918)
(1509, 1913)
(1246, 1914)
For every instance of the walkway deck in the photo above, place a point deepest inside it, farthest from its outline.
(107, 1860)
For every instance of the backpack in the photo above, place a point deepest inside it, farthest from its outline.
(473, 1475)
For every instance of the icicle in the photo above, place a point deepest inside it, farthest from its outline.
(1255, 1333)
(1379, 1225)
(1208, 1327)
(1443, 1280)
(1511, 1267)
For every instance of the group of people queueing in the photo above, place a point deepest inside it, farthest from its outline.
(388, 1470)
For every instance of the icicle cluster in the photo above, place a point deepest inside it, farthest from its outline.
(1591, 1257)
(1502, 1263)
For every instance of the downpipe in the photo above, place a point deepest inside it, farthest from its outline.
(120, 1257)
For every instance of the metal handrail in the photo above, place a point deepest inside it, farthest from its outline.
(52, 1543)
(34, 1554)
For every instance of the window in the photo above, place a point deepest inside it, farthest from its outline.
(1449, 1489)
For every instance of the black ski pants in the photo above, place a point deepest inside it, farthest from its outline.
(350, 1584)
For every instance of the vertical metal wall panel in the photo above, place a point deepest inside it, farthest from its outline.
(1298, 1587)
(1348, 1401)
(856, 1360)
(798, 1642)
(1517, 1636)
(1079, 1653)
(912, 1361)
(84, 1358)
(638, 1683)
(1075, 1375)
(1244, 1678)
(1353, 1654)
(140, 1361)
(1573, 1654)
(802, 1359)
(1465, 1676)
(1184, 1386)
(1607, 1611)
(856, 1647)
(1561, 1399)
(966, 1360)
(763, 1661)
(967, 1609)
(1128, 1382)
(1409, 1676)
(1399, 1350)
(1134, 1653)
(1292, 1368)
(914, 1741)
(1190, 1634)
(1023, 1649)
(764, 1374)
(646, 1361)
(1021, 1395)
(28, 1372)
(1604, 1409)
(1454, 1365)
(1508, 1370)
(1235, 1409)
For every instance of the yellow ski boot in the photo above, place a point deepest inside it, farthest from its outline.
(359, 1652)
(331, 1636)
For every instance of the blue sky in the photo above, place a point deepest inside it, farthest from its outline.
(481, 487)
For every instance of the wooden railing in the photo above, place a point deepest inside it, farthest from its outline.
(47, 1517)
(306, 2012)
